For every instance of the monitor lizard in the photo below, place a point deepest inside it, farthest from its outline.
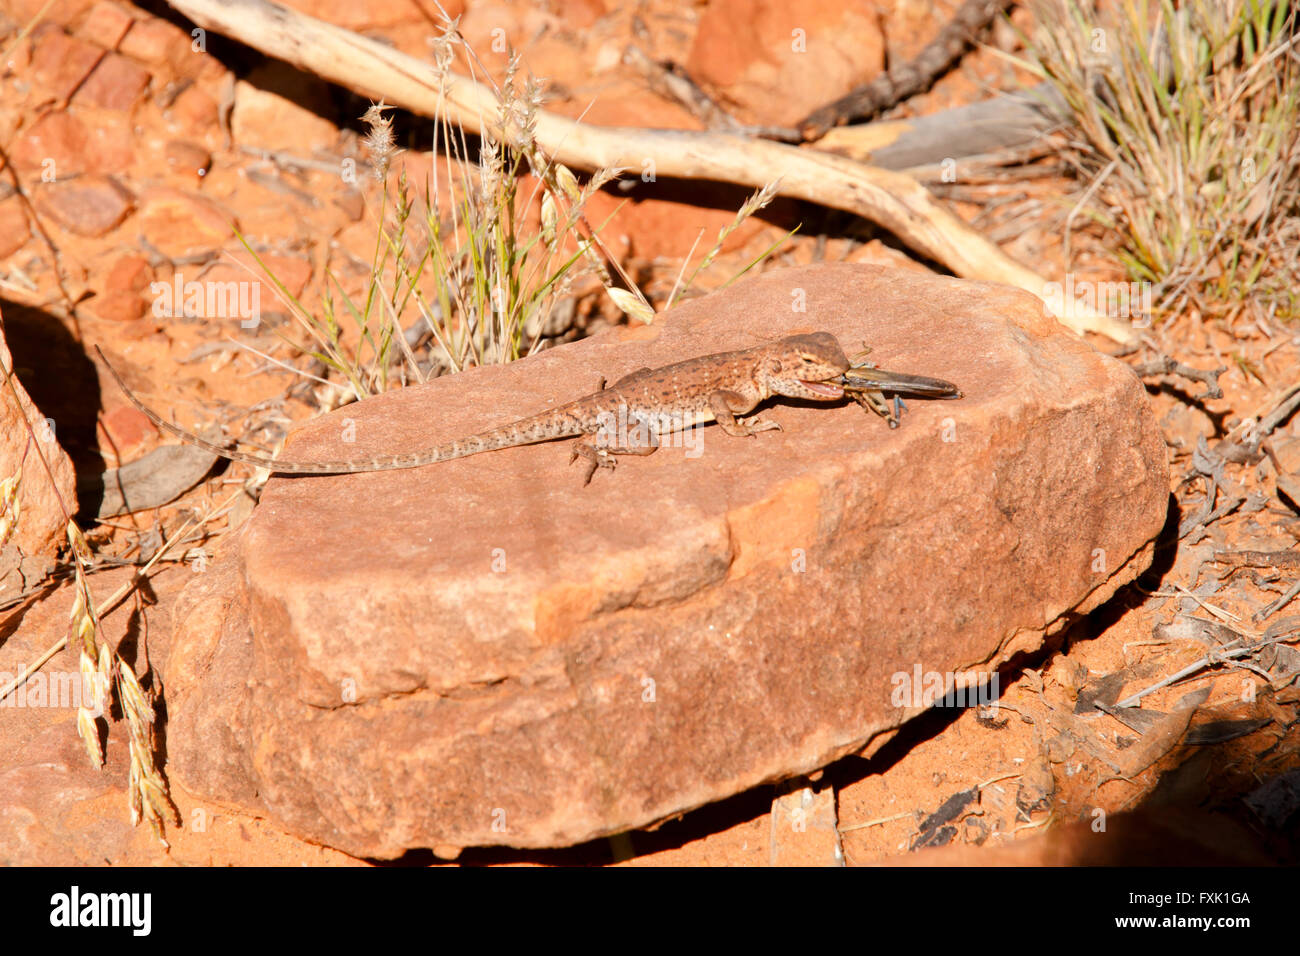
(650, 402)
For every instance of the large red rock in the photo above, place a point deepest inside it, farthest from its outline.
(485, 652)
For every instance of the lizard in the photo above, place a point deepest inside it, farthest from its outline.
(712, 388)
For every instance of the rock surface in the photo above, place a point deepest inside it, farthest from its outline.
(483, 652)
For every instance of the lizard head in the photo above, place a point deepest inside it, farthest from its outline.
(803, 365)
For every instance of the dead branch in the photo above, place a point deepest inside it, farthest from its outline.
(1168, 365)
(910, 78)
(891, 200)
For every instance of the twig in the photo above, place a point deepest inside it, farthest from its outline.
(1253, 434)
(1078, 207)
(1266, 612)
(1214, 657)
(878, 821)
(1258, 559)
(1218, 656)
(1218, 612)
(1209, 514)
(908, 78)
(1168, 365)
(284, 365)
(911, 813)
(673, 83)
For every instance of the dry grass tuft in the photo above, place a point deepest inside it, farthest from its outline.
(103, 672)
(483, 271)
(1188, 128)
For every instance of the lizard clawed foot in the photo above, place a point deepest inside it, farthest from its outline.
(594, 457)
(752, 426)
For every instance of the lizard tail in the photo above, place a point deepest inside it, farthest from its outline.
(389, 462)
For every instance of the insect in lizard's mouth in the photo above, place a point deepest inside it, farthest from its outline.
(828, 389)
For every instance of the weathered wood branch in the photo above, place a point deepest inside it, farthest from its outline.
(889, 199)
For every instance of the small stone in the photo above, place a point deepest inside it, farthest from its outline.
(117, 306)
(59, 146)
(115, 84)
(181, 224)
(268, 120)
(126, 425)
(194, 111)
(60, 63)
(123, 297)
(14, 232)
(88, 206)
(56, 142)
(189, 158)
(106, 25)
(803, 826)
(156, 42)
(130, 273)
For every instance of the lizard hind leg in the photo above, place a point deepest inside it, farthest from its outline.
(757, 423)
(602, 455)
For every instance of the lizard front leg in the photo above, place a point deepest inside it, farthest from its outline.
(725, 404)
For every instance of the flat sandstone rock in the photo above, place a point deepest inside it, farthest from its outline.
(484, 652)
